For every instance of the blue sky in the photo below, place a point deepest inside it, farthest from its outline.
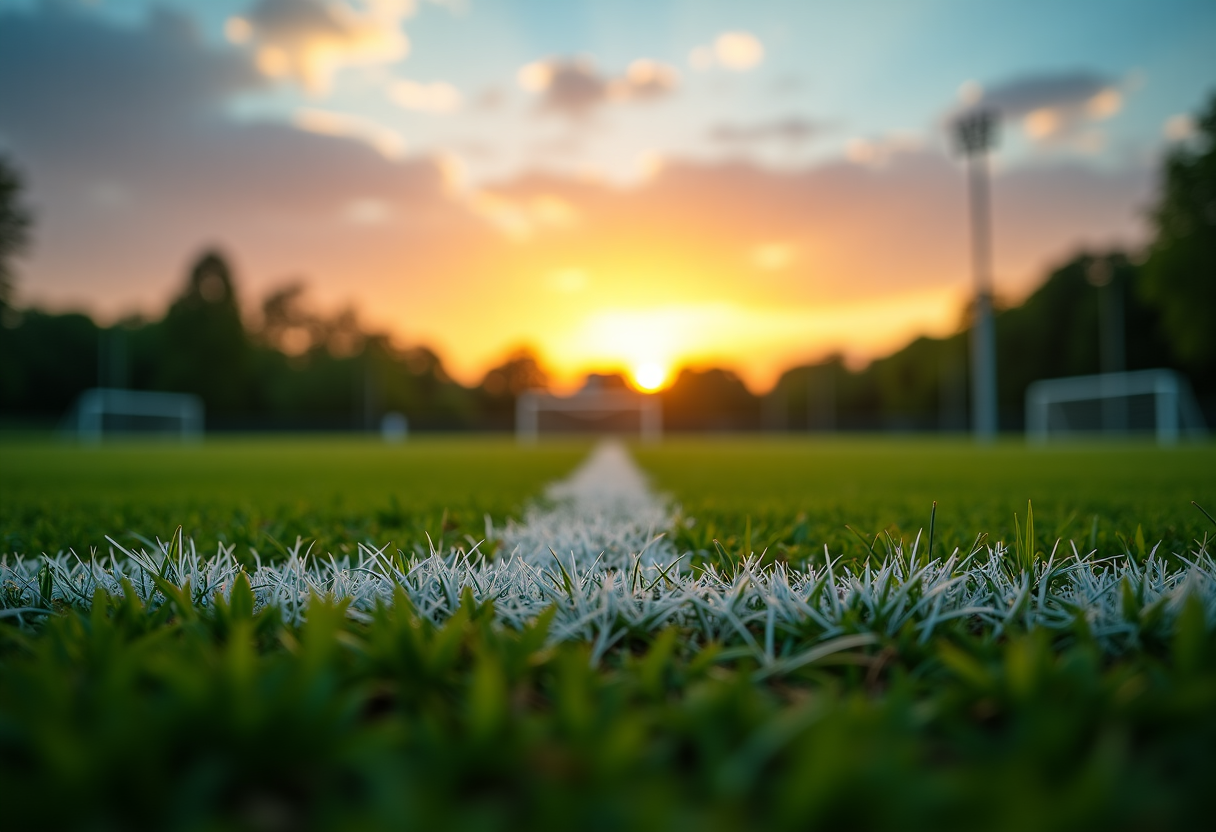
(387, 151)
(864, 69)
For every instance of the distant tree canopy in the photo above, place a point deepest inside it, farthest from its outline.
(712, 399)
(205, 348)
(294, 368)
(519, 373)
(1055, 332)
(339, 376)
(15, 224)
(502, 384)
(1180, 275)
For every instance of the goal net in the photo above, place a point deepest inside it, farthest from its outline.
(588, 411)
(1147, 402)
(105, 411)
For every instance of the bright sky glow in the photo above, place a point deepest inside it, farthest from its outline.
(615, 184)
(649, 376)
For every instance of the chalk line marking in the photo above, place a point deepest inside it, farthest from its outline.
(604, 510)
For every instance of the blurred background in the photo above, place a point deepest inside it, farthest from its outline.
(316, 214)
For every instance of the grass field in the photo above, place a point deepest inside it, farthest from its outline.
(153, 709)
(796, 494)
(799, 494)
(264, 492)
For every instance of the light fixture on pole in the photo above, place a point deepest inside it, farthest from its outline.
(976, 133)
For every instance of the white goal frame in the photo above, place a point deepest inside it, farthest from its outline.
(1175, 409)
(88, 417)
(530, 405)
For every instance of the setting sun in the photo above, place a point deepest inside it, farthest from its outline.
(649, 376)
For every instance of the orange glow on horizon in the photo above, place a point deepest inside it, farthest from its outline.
(650, 344)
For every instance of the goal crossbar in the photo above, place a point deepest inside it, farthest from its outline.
(93, 406)
(530, 405)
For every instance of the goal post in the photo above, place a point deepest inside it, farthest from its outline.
(103, 411)
(1144, 401)
(588, 411)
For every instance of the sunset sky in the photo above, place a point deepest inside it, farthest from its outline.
(615, 184)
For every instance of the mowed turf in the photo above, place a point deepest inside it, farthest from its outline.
(792, 495)
(263, 492)
(789, 495)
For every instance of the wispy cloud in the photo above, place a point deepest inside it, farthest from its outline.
(435, 97)
(310, 40)
(388, 142)
(574, 87)
(793, 130)
(877, 152)
(1051, 108)
(737, 51)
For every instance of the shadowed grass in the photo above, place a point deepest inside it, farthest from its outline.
(231, 719)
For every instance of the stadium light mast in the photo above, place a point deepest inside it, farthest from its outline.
(976, 134)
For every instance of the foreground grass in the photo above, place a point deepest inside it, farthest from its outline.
(263, 492)
(227, 718)
(793, 495)
(153, 709)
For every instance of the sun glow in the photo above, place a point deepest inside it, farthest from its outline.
(649, 376)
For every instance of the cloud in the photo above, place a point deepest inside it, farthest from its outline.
(880, 151)
(1054, 108)
(519, 219)
(737, 51)
(1179, 128)
(310, 40)
(367, 212)
(1025, 95)
(569, 86)
(792, 130)
(326, 123)
(61, 70)
(647, 79)
(574, 87)
(436, 97)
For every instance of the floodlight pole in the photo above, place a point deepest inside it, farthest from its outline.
(976, 133)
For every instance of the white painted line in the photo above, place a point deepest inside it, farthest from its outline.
(604, 510)
(615, 577)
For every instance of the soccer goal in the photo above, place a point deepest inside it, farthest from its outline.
(588, 411)
(104, 411)
(1156, 402)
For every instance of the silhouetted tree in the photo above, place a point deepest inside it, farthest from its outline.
(520, 372)
(1057, 330)
(15, 224)
(45, 363)
(205, 348)
(713, 399)
(501, 386)
(1180, 275)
